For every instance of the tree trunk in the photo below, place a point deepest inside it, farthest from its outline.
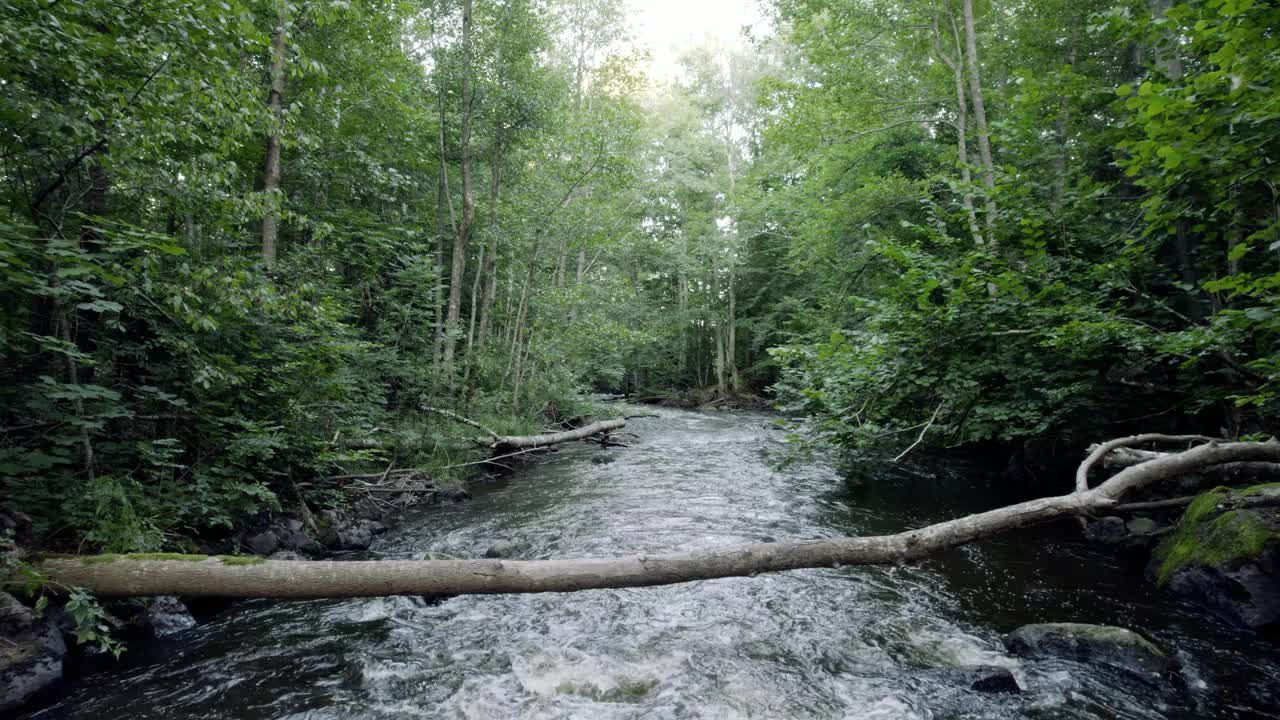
(562, 260)
(271, 169)
(1062, 126)
(524, 442)
(119, 576)
(475, 306)
(962, 124)
(980, 119)
(444, 208)
(517, 345)
(489, 269)
(731, 351)
(463, 236)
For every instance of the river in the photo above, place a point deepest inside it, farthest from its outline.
(830, 643)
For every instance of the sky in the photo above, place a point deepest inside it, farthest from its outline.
(665, 26)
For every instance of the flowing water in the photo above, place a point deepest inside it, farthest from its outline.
(828, 643)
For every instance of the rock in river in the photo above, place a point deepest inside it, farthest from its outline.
(163, 616)
(31, 653)
(1088, 643)
(1225, 557)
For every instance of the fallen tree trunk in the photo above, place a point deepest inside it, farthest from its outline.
(522, 442)
(1128, 457)
(115, 576)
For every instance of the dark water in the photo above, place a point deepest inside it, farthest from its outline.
(848, 643)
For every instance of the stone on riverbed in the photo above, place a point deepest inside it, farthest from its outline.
(31, 653)
(1088, 643)
(993, 680)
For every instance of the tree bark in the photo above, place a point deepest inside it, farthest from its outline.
(271, 168)
(980, 119)
(444, 208)
(463, 236)
(237, 577)
(962, 125)
(489, 268)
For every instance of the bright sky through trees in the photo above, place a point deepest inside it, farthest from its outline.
(667, 26)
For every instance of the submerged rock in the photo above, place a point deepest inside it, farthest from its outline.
(1088, 643)
(1225, 559)
(31, 653)
(164, 616)
(504, 549)
(994, 680)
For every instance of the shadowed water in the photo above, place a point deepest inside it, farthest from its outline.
(847, 643)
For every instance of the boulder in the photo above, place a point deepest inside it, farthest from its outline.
(264, 543)
(163, 616)
(1088, 643)
(303, 543)
(338, 532)
(31, 653)
(1225, 558)
(286, 555)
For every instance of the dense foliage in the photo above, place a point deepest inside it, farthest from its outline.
(230, 232)
(1010, 222)
(243, 242)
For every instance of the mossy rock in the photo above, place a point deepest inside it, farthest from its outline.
(1210, 536)
(1086, 643)
(1225, 557)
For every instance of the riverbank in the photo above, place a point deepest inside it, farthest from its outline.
(70, 628)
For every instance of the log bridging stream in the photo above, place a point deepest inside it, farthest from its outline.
(115, 576)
